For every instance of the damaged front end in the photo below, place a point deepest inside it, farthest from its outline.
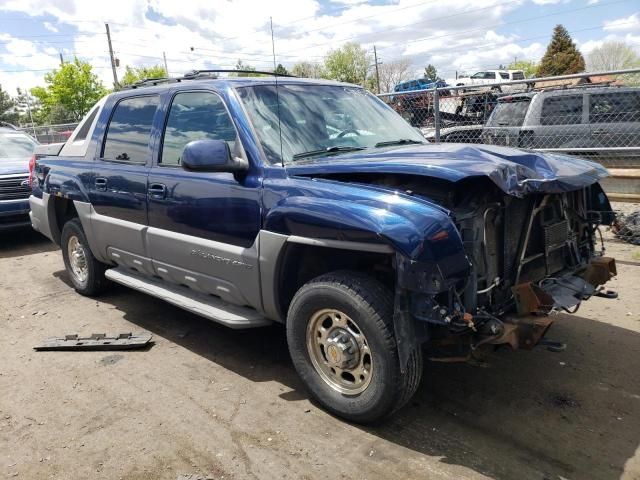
(526, 258)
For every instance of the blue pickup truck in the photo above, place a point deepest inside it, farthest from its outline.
(311, 203)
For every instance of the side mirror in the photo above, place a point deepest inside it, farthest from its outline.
(210, 156)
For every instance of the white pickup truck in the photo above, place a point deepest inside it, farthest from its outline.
(486, 77)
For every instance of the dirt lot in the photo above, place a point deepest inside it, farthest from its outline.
(208, 402)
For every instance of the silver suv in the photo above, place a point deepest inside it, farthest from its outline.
(583, 117)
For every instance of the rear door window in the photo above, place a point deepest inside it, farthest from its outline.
(510, 114)
(195, 116)
(614, 107)
(561, 110)
(129, 130)
(518, 76)
(504, 75)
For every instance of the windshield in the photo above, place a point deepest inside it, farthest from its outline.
(16, 145)
(509, 114)
(321, 119)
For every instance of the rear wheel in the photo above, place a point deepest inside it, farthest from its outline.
(86, 273)
(341, 339)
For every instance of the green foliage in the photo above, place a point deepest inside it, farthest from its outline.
(529, 67)
(280, 70)
(243, 66)
(26, 103)
(69, 94)
(615, 56)
(8, 111)
(562, 56)
(431, 73)
(307, 70)
(136, 74)
(348, 63)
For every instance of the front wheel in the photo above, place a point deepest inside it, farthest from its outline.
(341, 339)
(87, 273)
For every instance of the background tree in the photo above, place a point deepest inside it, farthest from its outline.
(615, 56)
(612, 56)
(529, 67)
(280, 70)
(8, 111)
(246, 68)
(70, 92)
(562, 56)
(27, 106)
(348, 63)
(431, 73)
(394, 72)
(136, 74)
(307, 70)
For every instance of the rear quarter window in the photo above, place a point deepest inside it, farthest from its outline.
(614, 107)
(129, 130)
(561, 110)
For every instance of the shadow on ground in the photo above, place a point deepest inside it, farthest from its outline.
(532, 415)
(26, 241)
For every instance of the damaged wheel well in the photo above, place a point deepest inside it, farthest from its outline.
(301, 263)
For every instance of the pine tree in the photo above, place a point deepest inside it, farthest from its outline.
(431, 73)
(562, 56)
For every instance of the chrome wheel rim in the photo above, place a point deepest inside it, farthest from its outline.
(77, 259)
(339, 351)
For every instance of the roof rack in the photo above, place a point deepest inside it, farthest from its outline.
(197, 74)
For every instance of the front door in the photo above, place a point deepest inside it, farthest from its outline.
(118, 190)
(203, 227)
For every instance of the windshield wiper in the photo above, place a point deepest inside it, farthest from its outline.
(325, 151)
(401, 141)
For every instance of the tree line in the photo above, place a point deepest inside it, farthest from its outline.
(71, 90)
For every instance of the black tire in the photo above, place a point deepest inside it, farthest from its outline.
(95, 281)
(370, 305)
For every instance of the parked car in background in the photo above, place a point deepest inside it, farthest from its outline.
(418, 84)
(582, 117)
(16, 151)
(487, 77)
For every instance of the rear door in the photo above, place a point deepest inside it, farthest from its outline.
(118, 192)
(614, 119)
(562, 122)
(203, 226)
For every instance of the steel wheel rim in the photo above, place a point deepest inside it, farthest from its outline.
(77, 259)
(339, 351)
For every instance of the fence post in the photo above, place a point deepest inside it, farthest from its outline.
(436, 114)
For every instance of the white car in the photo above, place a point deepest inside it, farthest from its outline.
(489, 76)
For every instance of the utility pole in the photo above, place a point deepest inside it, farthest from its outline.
(61, 59)
(375, 59)
(113, 60)
(273, 45)
(166, 68)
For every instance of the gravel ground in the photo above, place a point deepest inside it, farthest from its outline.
(208, 402)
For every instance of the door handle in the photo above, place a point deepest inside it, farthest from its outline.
(599, 131)
(101, 184)
(157, 190)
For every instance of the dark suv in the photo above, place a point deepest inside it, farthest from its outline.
(585, 117)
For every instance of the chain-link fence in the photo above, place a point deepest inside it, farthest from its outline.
(592, 115)
(51, 133)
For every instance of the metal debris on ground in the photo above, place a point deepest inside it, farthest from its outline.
(97, 341)
(627, 227)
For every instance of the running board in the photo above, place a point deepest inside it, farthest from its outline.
(207, 306)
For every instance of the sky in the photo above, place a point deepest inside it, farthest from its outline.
(454, 35)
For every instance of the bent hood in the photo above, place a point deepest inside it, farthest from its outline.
(516, 172)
